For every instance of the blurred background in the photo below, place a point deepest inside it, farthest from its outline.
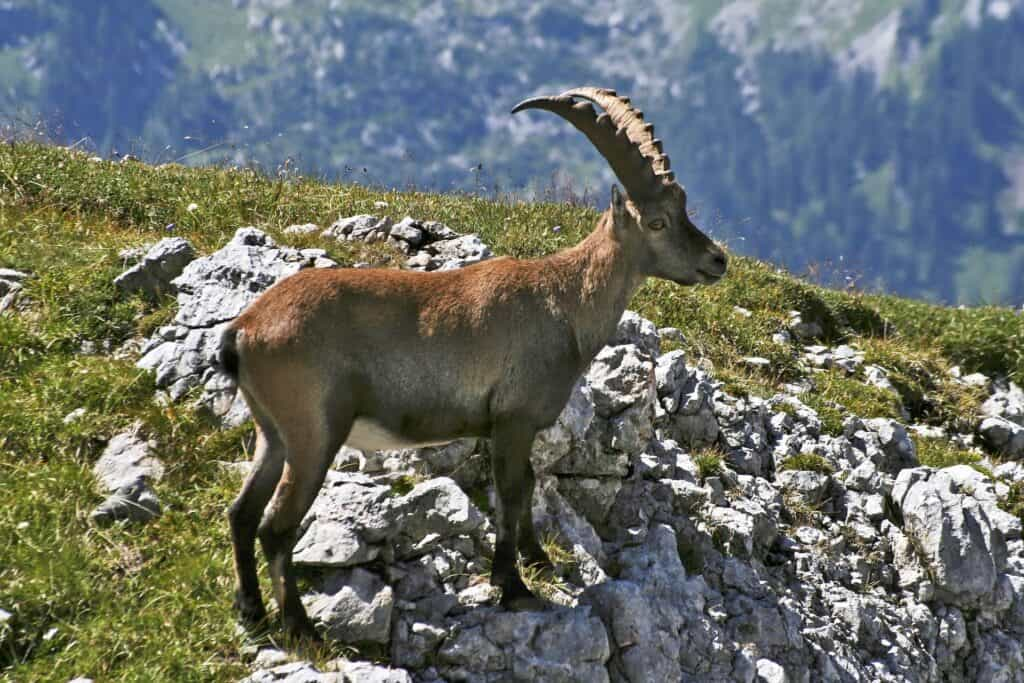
(868, 143)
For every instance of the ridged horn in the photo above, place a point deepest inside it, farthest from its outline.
(625, 115)
(638, 175)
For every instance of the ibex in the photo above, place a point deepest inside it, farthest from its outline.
(380, 359)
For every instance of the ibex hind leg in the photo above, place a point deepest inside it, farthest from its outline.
(245, 514)
(310, 448)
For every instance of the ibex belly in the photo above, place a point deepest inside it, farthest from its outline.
(369, 435)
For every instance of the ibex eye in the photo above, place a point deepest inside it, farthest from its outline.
(657, 224)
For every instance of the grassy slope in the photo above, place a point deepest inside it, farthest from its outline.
(153, 603)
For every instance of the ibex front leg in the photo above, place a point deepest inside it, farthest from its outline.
(513, 479)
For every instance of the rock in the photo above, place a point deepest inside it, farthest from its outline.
(639, 331)
(126, 460)
(420, 261)
(6, 627)
(1006, 401)
(1002, 435)
(347, 523)
(885, 441)
(803, 330)
(303, 229)
(672, 334)
(569, 432)
(436, 231)
(559, 645)
(657, 616)
(433, 510)
(269, 657)
(621, 387)
(959, 545)
(9, 275)
(770, 672)
(811, 487)
(354, 605)
(134, 502)
(11, 287)
(745, 530)
(353, 520)
(592, 497)
(1011, 471)
(155, 273)
(976, 379)
(409, 231)
(619, 377)
(363, 228)
(457, 252)
(878, 376)
(295, 672)
(685, 410)
(365, 672)
(847, 358)
(211, 291)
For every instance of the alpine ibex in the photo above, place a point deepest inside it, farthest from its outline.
(380, 359)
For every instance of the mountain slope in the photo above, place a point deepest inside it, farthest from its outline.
(884, 138)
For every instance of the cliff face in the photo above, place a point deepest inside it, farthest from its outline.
(883, 136)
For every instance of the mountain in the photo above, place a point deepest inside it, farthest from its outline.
(872, 143)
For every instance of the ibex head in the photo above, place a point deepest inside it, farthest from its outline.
(671, 246)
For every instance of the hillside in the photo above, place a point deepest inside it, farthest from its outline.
(791, 493)
(885, 136)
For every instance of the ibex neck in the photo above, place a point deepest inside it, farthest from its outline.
(605, 275)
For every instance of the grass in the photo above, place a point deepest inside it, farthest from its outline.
(709, 463)
(809, 462)
(939, 453)
(152, 603)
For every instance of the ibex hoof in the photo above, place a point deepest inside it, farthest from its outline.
(524, 603)
(251, 614)
(302, 631)
(516, 596)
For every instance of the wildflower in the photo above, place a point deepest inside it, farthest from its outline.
(170, 227)
(191, 207)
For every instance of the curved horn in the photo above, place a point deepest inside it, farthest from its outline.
(634, 170)
(625, 115)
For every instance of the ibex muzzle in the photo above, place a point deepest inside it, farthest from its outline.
(379, 358)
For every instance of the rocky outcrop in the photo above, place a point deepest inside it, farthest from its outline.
(689, 545)
(156, 270)
(213, 289)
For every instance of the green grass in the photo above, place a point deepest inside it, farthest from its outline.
(809, 462)
(709, 463)
(939, 453)
(153, 602)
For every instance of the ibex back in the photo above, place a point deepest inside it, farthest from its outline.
(381, 359)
